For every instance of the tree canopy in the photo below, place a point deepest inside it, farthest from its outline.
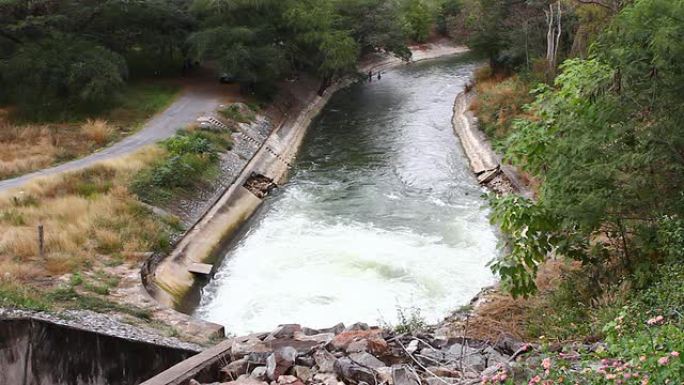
(606, 140)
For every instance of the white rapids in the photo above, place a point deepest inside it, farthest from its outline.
(381, 214)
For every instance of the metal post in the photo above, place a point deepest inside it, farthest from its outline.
(41, 240)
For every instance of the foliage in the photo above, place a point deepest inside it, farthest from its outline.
(606, 143)
(191, 159)
(64, 73)
(644, 340)
(419, 20)
(77, 53)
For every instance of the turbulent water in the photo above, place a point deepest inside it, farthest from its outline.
(381, 213)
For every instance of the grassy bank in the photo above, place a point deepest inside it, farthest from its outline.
(95, 220)
(29, 145)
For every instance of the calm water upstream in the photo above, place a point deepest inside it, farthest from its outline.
(381, 212)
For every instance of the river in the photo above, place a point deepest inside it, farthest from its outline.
(381, 213)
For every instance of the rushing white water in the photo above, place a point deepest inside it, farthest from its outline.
(381, 213)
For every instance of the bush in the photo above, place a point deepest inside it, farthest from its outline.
(191, 159)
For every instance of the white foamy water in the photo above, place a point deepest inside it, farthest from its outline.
(381, 212)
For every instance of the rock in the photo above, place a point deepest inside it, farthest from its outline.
(289, 380)
(441, 371)
(240, 349)
(280, 362)
(307, 361)
(255, 358)
(303, 373)
(385, 375)
(337, 329)
(358, 326)
(193, 382)
(285, 331)
(325, 361)
(342, 340)
(508, 344)
(245, 381)
(233, 370)
(357, 346)
(493, 357)
(321, 338)
(496, 369)
(353, 372)
(367, 360)
(412, 346)
(402, 376)
(259, 373)
(439, 342)
(439, 380)
(302, 347)
(310, 332)
(325, 378)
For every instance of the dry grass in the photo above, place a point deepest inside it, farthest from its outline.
(501, 314)
(90, 218)
(98, 131)
(500, 101)
(29, 147)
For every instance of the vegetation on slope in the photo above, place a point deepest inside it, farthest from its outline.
(597, 255)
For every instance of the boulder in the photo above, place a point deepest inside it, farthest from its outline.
(302, 347)
(280, 362)
(367, 360)
(403, 376)
(259, 373)
(440, 380)
(358, 326)
(354, 341)
(352, 372)
(240, 349)
(385, 375)
(324, 360)
(307, 361)
(441, 371)
(257, 358)
(493, 357)
(289, 380)
(508, 344)
(245, 381)
(412, 346)
(325, 378)
(285, 331)
(233, 370)
(303, 373)
(337, 329)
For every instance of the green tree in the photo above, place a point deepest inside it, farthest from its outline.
(63, 72)
(607, 143)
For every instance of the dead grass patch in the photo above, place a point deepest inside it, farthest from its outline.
(501, 314)
(499, 102)
(89, 218)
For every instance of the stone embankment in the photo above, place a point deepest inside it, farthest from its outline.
(484, 162)
(359, 354)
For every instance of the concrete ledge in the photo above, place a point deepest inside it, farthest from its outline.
(195, 367)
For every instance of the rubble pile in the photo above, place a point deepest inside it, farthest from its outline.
(363, 355)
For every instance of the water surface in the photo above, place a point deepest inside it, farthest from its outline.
(381, 212)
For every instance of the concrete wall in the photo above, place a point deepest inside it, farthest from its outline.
(36, 352)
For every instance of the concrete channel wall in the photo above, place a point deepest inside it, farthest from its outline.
(38, 352)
